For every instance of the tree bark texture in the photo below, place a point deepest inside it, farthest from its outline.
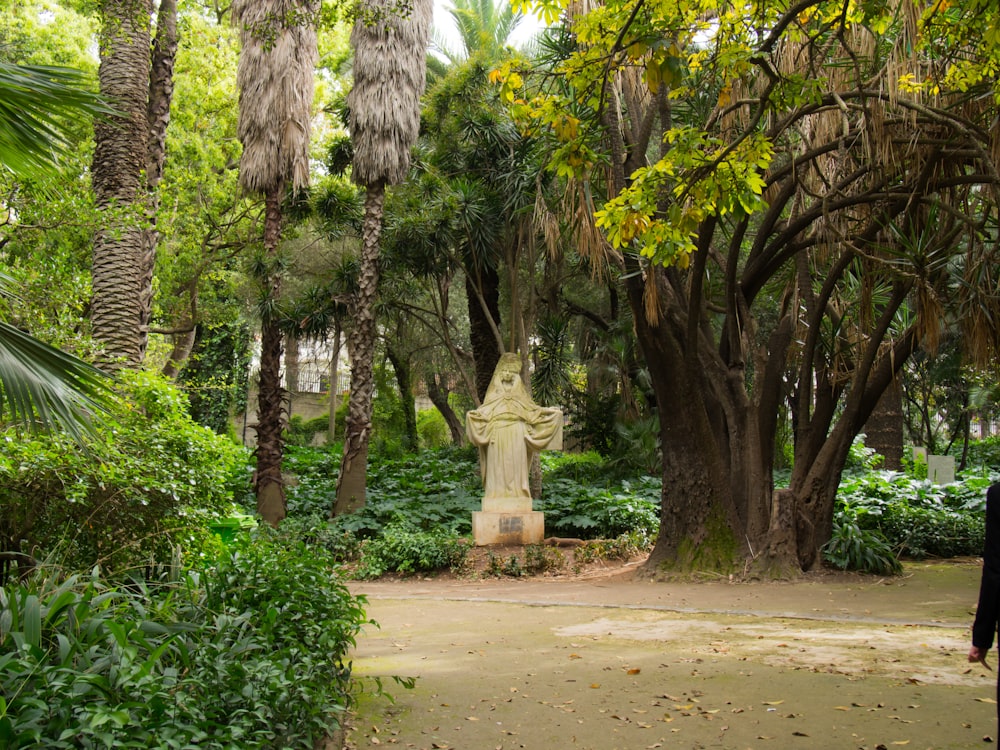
(269, 487)
(884, 428)
(352, 481)
(161, 91)
(117, 178)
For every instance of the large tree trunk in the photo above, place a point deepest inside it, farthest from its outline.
(699, 527)
(483, 292)
(884, 428)
(117, 177)
(269, 486)
(352, 481)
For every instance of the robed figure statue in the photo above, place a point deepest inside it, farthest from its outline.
(508, 429)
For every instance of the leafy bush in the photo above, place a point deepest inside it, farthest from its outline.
(432, 429)
(853, 548)
(303, 431)
(983, 454)
(149, 479)
(589, 511)
(916, 517)
(405, 549)
(249, 654)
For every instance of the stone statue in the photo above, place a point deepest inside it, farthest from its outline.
(508, 429)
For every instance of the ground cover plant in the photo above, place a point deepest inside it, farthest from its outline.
(882, 516)
(418, 514)
(249, 652)
(420, 506)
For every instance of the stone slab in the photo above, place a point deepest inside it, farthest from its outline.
(507, 504)
(492, 528)
(941, 469)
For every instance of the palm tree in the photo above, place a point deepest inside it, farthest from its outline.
(117, 178)
(275, 78)
(484, 26)
(41, 386)
(389, 79)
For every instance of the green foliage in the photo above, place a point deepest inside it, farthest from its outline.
(250, 653)
(215, 375)
(860, 458)
(916, 517)
(853, 548)
(590, 511)
(985, 454)
(432, 429)
(303, 431)
(401, 548)
(148, 479)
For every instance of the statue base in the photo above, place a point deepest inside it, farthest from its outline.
(515, 528)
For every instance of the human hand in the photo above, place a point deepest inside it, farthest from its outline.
(979, 654)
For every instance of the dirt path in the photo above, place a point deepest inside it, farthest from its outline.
(607, 661)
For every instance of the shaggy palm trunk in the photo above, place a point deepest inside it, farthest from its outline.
(884, 428)
(352, 481)
(271, 397)
(117, 177)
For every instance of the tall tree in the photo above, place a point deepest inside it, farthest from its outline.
(815, 156)
(389, 40)
(275, 78)
(117, 177)
(128, 162)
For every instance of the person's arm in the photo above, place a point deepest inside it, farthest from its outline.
(984, 627)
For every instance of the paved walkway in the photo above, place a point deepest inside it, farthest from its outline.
(613, 662)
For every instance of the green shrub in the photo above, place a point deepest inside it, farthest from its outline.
(589, 511)
(853, 548)
(432, 429)
(303, 431)
(405, 549)
(251, 653)
(916, 517)
(148, 480)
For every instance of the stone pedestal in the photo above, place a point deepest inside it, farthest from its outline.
(507, 527)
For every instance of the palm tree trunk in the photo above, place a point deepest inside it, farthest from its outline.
(351, 483)
(161, 90)
(270, 396)
(117, 178)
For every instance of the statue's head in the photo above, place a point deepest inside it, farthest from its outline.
(506, 376)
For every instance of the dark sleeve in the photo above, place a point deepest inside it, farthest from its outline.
(987, 612)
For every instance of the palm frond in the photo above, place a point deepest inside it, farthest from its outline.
(35, 104)
(42, 387)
